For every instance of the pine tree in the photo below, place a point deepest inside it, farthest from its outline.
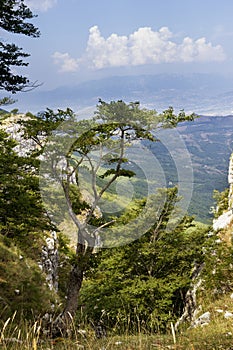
(13, 18)
(98, 146)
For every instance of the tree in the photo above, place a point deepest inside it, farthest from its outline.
(143, 284)
(24, 225)
(94, 149)
(13, 18)
(22, 214)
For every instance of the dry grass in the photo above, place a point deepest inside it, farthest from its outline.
(216, 336)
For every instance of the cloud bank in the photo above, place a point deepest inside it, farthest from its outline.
(144, 46)
(40, 5)
(66, 63)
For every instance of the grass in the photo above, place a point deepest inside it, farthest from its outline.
(218, 335)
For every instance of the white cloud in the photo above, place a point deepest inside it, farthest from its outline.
(40, 5)
(110, 52)
(200, 51)
(66, 63)
(144, 46)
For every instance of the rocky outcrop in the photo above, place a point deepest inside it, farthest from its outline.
(12, 126)
(230, 181)
(190, 303)
(50, 261)
(226, 218)
(49, 256)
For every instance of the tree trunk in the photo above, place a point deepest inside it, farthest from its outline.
(75, 283)
(62, 325)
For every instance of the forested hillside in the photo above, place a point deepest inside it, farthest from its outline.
(209, 142)
(138, 287)
(109, 235)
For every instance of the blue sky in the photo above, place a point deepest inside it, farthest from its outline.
(88, 39)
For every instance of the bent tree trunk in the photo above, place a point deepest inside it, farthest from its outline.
(74, 286)
(62, 325)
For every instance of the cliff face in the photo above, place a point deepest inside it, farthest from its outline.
(230, 181)
(226, 218)
(49, 255)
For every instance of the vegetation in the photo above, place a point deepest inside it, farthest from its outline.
(134, 292)
(59, 179)
(96, 144)
(13, 18)
(25, 336)
(144, 283)
(23, 288)
(221, 199)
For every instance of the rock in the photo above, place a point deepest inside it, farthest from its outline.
(50, 261)
(204, 324)
(226, 218)
(223, 220)
(100, 331)
(190, 307)
(202, 320)
(50, 243)
(220, 311)
(228, 314)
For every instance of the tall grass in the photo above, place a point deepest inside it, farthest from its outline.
(19, 336)
(25, 336)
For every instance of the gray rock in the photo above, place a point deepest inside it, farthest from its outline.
(202, 320)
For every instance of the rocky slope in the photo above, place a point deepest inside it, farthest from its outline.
(224, 220)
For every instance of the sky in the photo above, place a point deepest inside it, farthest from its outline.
(88, 39)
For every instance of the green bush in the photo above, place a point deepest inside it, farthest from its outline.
(22, 285)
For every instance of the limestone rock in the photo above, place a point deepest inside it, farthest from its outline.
(228, 314)
(223, 220)
(50, 261)
(202, 320)
(226, 218)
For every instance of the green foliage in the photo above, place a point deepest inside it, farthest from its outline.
(122, 172)
(144, 282)
(4, 102)
(41, 126)
(21, 210)
(141, 120)
(13, 18)
(218, 271)
(22, 285)
(98, 146)
(148, 288)
(221, 202)
(171, 120)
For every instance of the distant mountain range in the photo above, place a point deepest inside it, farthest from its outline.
(202, 93)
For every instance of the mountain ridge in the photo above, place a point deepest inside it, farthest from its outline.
(197, 92)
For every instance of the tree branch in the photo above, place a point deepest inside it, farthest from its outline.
(118, 168)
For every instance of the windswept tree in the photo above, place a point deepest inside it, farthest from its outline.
(14, 16)
(81, 162)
